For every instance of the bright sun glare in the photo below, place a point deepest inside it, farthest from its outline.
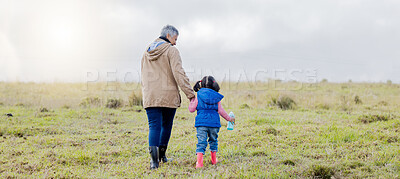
(62, 35)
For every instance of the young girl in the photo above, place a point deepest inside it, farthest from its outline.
(208, 106)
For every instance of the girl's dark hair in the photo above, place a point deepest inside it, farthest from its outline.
(206, 82)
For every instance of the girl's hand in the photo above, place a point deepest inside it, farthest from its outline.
(233, 120)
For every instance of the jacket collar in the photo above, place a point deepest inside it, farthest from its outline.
(165, 38)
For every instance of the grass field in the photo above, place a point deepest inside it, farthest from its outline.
(329, 130)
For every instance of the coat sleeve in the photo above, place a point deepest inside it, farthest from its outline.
(179, 73)
(222, 112)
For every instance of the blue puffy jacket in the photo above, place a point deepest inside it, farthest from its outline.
(207, 108)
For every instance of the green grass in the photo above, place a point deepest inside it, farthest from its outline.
(317, 139)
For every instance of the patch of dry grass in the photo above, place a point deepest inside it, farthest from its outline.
(51, 136)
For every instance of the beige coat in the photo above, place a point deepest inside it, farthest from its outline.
(162, 73)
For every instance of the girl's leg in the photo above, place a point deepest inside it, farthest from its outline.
(213, 138)
(201, 139)
(201, 145)
(199, 162)
(213, 141)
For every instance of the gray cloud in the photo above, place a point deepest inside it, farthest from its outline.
(62, 40)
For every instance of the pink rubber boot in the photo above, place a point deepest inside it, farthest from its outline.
(214, 158)
(199, 163)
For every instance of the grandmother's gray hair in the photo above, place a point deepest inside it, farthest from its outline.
(169, 29)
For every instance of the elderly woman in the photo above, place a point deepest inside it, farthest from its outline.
(162, 73)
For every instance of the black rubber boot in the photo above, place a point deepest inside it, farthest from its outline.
(154, 157)
(162, 157)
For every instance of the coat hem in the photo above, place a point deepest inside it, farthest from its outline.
(162, 106)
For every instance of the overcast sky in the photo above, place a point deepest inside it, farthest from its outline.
(68, 41)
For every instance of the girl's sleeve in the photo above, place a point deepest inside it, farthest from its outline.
(193, 105)
(222, 112)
